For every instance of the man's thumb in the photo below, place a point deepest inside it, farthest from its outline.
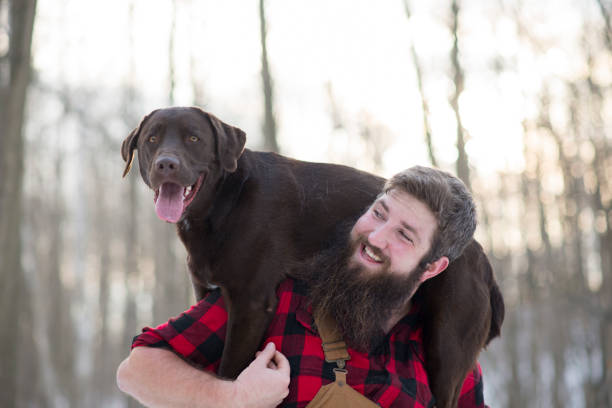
(266, 354)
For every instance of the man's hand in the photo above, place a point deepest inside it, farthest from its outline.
(265, 382)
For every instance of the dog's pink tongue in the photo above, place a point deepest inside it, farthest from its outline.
(169, 205)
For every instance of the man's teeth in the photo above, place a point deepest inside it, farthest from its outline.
(371, 254)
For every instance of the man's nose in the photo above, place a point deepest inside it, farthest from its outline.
(378, 237)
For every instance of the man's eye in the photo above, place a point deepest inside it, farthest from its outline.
(405, 236)
(377, 213)
(193, 138)
(152, 139)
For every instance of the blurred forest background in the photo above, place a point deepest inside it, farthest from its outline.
(513, 96)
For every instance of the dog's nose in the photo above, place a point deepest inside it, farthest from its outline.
(167, 165)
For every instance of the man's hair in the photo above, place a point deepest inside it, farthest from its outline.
(450, 202)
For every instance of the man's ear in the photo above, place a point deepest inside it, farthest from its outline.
(129, 145)
(230, 141)
(434, 268)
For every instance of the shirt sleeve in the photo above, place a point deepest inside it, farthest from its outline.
(472, 393)
(197, 335)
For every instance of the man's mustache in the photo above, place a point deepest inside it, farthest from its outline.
(363, 240)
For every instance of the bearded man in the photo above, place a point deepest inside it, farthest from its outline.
(361, 290)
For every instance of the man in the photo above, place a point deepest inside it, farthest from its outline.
(366, 281)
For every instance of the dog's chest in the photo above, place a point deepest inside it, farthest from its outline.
(203, 248)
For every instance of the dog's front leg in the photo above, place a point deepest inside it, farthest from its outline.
(249, 315)
(201, 285)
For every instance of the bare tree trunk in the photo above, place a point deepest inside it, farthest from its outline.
(51, 318)
(335, 113)
(606, 16)
(530, 285)
(61, 333)
(424, 104)
(602, 389)
(463, 168)
(603, 207)
(130, 323)
(511, 335)
(106, 362)
(197, 87)
(106, 356)
(269, 125)
(14, 77)
(171, 66)
(374, 135)
(131, 237)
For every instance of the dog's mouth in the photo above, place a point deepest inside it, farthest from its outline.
(171, 199)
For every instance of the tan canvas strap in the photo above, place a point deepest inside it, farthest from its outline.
(334, 346)
(337, 394)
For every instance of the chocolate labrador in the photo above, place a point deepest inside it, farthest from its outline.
(246, 218)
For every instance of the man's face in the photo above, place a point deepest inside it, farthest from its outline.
(370, 274)
(360, 301)
(393, 235)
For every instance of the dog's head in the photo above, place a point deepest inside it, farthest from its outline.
(181, 153)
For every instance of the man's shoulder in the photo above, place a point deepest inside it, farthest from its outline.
(292, 295)
(293, 286)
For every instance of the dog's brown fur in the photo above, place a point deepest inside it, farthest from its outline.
(257, 215)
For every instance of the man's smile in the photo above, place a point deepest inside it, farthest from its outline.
(369, 254)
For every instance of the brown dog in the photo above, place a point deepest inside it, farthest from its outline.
(246, 218)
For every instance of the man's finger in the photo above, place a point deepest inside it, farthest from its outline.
(282, 364)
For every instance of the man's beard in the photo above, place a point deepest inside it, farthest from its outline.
(360, 300)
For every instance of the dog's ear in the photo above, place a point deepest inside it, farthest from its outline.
(129, 145)
(230, 142)
(127, 149)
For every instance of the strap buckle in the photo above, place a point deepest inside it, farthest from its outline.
(341, 364)
(335, 352)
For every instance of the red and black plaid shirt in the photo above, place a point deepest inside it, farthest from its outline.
(393, 375)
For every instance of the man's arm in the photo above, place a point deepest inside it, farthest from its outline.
(159, 378)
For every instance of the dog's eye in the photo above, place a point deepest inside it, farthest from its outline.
(152, 139)
(193, 138)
